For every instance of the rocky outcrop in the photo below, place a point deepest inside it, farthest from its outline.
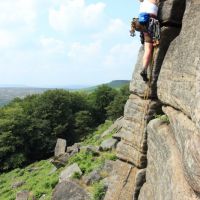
(165, 178)
(164, 152)
(121, 182)
(187, 139)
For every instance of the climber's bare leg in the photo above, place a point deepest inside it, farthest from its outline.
(148, 47)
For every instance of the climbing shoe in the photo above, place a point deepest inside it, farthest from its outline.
(143, 74)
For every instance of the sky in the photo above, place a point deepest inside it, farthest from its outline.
(45, 43)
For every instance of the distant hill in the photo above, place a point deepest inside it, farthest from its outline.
(114, 84)
(9, 93)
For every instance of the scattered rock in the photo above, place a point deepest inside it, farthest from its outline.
(18, 184)
(93, 177)
(69, 172)
(69, 190)
(108, 144)
(74, 147)
(93, 150)
(33, 169)
(61, 160)
(43, 197)
(60, 147)
(25, 195)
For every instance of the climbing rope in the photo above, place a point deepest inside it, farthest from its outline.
(143, 121)
(146, 97)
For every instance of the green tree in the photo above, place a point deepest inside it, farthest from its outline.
(116, 107)
(83, 123)
(102, 97)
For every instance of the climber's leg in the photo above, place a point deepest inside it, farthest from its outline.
(148, 47)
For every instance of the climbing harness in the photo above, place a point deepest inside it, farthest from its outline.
(152, 27)
(154, 30)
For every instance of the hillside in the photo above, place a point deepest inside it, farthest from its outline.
(116, 84)
(9, 93)
(40, 178)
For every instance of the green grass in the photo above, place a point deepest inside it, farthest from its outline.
(87, 162)
(94, 138)
(39, 182)
(163, 118)
(98, 191)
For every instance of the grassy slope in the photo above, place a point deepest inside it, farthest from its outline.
(42, 181)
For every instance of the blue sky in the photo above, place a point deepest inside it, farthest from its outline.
(66, 42)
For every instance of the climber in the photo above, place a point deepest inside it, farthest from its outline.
(148, 7)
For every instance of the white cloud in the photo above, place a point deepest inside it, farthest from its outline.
(114, 28)
(75, 14)
(7, 39)
(52, 45)
(18, 13)
(80, 53)
(120, 55)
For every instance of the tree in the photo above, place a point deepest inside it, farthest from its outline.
(116, 107)
(83, 123)
(102, 97)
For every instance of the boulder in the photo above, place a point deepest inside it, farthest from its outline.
(69, 172)
(94, 150)
(69, 190)
(25, 195)
(108, 144)
(92, 177)
(61, 160)
(74, 148)
(60, 147)
(165, 178)
(18, 184)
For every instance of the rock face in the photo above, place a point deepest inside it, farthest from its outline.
(120, 183)
(133, 145)
(164, 153)
(165, 173)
